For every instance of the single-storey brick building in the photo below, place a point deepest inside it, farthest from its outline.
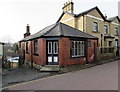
(58, 44)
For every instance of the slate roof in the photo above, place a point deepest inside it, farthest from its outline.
(113, 18)
(87, 11)
(57, 30)
(83, 13)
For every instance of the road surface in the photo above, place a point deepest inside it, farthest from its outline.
(102, 77)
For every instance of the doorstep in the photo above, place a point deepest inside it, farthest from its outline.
(50, 68)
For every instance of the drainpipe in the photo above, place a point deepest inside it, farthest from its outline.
(86, 51)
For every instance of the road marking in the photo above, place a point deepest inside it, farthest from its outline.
(51, 76)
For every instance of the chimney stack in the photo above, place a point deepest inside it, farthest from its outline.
(27, 31)
(68, 6)
(105, 16)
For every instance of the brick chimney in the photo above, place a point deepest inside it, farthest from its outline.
(27, 31)
(68, 6)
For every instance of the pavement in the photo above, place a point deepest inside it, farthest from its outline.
(23, 74)
(102, 77)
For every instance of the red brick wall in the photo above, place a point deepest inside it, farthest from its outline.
(90, 52)
(64, 54)
(28, 55)
(63, 50)
(41, 58)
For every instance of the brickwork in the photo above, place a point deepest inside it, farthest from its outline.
(64, 57)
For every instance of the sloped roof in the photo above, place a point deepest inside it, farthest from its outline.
(65, 12)
(84, 13)
(113, 18)
(87, 11)
(59, 29)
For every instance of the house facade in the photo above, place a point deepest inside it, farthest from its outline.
(95, 23)
(58, 44)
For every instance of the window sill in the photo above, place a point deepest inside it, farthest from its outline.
(77, 56)
(35, 54)
(116, 35)
(106, 34)
(95, 32)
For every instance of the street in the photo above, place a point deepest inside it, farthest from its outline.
(102, 77)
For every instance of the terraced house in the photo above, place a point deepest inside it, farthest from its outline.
(95, 23)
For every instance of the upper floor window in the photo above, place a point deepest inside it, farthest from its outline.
(95, 24)
(77, 48)
(105, 29)
(35, 47)
(26, 47)
(116, 31)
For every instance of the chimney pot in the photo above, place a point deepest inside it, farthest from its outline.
(27, 31)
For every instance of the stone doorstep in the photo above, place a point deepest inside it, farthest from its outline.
(54, 68)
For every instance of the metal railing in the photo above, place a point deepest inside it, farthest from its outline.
(107, 50)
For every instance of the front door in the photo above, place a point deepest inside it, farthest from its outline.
(52, 52)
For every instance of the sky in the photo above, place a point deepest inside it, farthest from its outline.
(16, 14)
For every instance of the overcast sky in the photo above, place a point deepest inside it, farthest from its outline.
(16, 14)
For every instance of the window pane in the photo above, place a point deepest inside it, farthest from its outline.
(76, 48)
(79, 48)
(55, 47)
(72, 48)
(105, 30)
(49, 47)
(95, 24)
(36, 47)
(83, 48)
(116, 31)
(27, 47)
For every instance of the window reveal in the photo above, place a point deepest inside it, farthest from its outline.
(77, 48)
(36, 47)
(55, 44)
(105, 29)
(26, 47)
(49, 47)
(95, 24)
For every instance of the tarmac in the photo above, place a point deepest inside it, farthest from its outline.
(23, 74)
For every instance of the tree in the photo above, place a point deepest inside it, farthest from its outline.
(15, 47)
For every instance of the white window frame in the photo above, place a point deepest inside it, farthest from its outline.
(80, 48)
(54, 48)
(27, 49)
(116, 31)
(106, 29)
(36, 47)
(95, 27)
(49, 47)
